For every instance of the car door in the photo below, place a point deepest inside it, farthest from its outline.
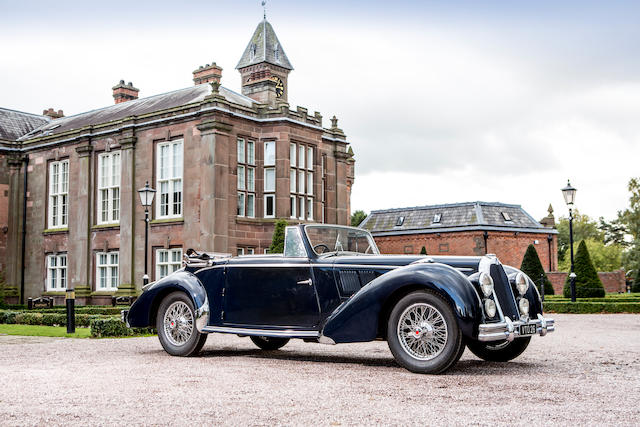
(278, 294)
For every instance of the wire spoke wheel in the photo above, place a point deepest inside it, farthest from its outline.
(422, 331)
(178, 323)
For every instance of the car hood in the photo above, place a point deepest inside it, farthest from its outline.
(465, 263)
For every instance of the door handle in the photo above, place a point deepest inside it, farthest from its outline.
(305, 282)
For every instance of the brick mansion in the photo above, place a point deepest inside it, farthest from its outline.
(225, 166)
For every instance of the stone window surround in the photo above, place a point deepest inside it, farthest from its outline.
(157, 179)
(244, 165)
(108, 266)
(60, 256)
(302, 200)
(169, 263)
(97, 197)
(49, 206)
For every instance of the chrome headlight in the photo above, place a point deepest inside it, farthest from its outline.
(522, 284)
(524, 306)
(486, 284)
(489, 308)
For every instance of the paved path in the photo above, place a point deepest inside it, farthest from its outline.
(588, 372)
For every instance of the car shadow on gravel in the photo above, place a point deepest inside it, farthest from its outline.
(299, 357)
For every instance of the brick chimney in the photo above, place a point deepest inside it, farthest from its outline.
(53, 113)
(207, 74)
(124, 92)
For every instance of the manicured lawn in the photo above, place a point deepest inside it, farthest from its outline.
(43, 331)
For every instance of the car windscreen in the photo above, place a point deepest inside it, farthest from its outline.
(327, 239)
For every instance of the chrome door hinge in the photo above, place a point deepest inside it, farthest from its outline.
(222, 315)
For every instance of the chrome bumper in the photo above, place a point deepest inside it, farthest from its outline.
(510, 329)
(123, 316)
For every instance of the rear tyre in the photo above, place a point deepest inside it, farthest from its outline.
(499, 351)
(177, 327)
(269, 343)
(423, 333)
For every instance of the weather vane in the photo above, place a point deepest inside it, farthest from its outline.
(264, 7)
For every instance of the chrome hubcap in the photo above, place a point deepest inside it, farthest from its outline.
(178, 323)
(422, 331)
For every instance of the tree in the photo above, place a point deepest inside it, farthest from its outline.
(613, 231)
(604, 257)
(636, 283)
(532, 267)
(277, 241)
(583, 228)
(587, 282)
(423, 251)
(630, 218)
(357, 217)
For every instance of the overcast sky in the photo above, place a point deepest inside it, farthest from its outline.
(442, 101)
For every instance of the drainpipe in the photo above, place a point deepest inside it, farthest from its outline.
(24, 229)
(549, 240)
(486, 237)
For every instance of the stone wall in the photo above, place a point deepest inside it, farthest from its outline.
(508, 246)
(613, 281)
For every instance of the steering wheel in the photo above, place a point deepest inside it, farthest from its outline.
(324, 247)
(368, 250)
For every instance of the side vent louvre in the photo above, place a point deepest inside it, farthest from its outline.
(352, 280)
(349, 281)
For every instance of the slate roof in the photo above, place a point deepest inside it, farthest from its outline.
(452, 217)
(14, 124)
(264, 46)
(136, 107)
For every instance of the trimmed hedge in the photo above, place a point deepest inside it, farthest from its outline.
(114, 327)
(587, 281)
(43, 319)
(532, 267)
(591, 307)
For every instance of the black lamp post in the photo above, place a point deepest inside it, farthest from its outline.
(569, 194)
(146, 197)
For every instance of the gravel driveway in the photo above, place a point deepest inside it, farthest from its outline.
(587, 372)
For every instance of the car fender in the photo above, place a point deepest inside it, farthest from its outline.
(357, 319)
(532, 294)
(144, 309)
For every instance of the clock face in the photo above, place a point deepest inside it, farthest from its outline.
(279, 87)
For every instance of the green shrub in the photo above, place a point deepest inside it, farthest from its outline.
(587, 282)
(423, 251)
(43, 319)
(277, 241)
(591, 307)
(114, 327)
(532, 267)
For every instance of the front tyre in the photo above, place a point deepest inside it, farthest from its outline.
(423, 334)
(269, 343)
(176, 326)
(499, 351)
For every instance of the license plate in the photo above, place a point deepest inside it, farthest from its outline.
(528, 329)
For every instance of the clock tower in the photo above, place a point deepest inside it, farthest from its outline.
(264, 67)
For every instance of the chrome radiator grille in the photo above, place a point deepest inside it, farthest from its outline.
(504, 292)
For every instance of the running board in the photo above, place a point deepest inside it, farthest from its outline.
(278, 333)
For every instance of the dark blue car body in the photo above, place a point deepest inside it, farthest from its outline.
(336, 298)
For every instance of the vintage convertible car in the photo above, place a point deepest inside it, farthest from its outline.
(332, 286)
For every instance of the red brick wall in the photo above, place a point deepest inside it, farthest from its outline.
(613, 281)
(508, 246)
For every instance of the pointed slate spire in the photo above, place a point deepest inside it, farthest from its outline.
(264, 47)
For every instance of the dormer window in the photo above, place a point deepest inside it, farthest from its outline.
(276, 53)
(506, 216)
(252, 51)
(399, 221)
(436, 218)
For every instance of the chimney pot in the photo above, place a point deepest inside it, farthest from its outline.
(124, 92)
(50, 112)
(207, 74)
